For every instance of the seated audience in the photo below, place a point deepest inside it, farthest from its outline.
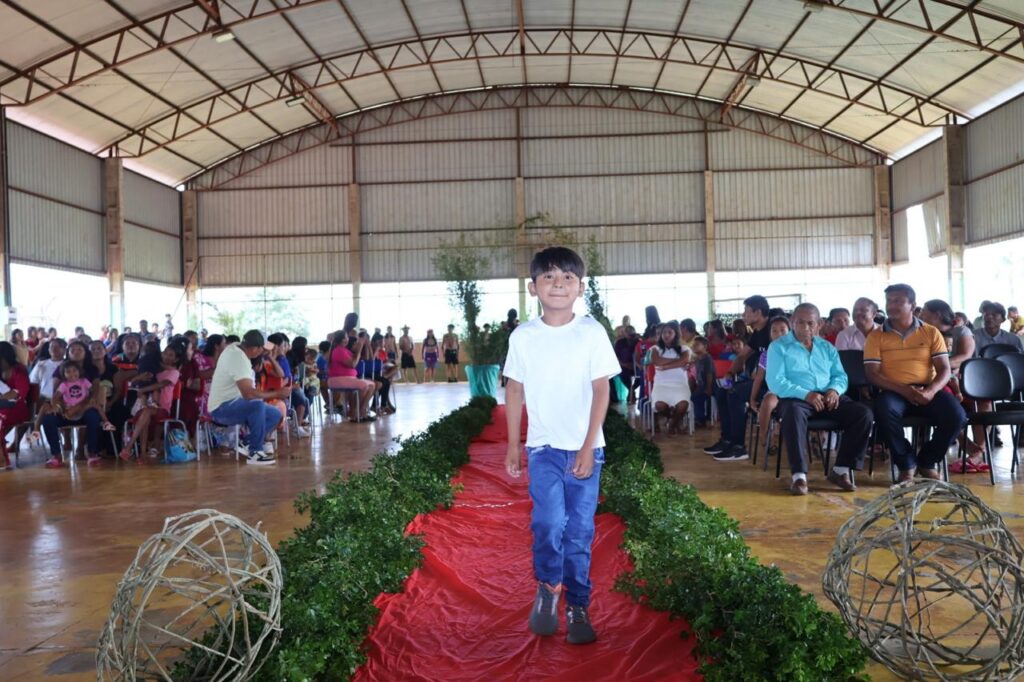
(156, 401)
(206, 361)
(989, 332)
(765, 406)
(14, 389)
(703, 382)
(625, 349)
(805, 372)
(852, 336)
(732, 402)
(234, 398)
(1016, 321)
(342, 372)
(908, 362)
(74, 403)
(671, 390)
(838, 320)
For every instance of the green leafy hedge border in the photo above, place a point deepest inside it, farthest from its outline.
(689, 559)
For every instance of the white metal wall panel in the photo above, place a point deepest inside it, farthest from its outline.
(496, 123)
(259, 269)
(42, 165)
(47, 233)
(278, 212)
(739, 150)
(781, 245)
(935, 221)
(586, 121)
(626, 200)
(641, 249)
(449, 206)
(995, 207)
(408, 256)
(440, 161)
(900, 239)
(794, 194)
(323, 165)
(996, 140)
(919, 176)
(151, 255)
(607, 155)
(150, 204)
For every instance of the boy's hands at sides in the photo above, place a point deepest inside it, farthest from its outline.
(513, 459)
(583, 467)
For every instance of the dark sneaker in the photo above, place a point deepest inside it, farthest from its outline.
(718, 448)
(577, 622)
(260, 458)
(544, 615)
(736, 453)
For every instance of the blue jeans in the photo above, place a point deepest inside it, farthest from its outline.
(701, 406)
(299, 398)
(258, 416)
(944, 413)
(732, 410)
(563, 520)
(91, 418)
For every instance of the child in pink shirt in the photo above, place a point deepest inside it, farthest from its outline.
(156, 400)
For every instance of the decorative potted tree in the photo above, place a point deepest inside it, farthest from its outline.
(463, 265)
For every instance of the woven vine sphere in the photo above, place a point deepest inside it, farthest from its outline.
(208, 584)
(929, 578)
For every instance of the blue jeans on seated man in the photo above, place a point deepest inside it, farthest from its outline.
(90, 418)
(563, 520)
(944, 413)
(258, 416)
(732, 410)
(299, 398)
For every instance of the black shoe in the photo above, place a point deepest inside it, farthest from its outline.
(736, 453)
(996, 440)
(577, 622)
(544, 615)
(721, 446)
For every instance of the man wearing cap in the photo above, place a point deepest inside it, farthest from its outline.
(407, 346)
(234, 398)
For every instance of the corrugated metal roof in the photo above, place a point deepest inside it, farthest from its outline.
(162, 95)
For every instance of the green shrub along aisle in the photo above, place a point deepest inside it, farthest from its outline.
(690, 560)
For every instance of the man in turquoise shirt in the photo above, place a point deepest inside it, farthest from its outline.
(805, 372)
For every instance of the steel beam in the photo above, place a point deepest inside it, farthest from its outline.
(508, 98)
(486, 45)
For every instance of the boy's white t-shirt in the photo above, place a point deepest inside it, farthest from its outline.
(43, 374)
(556, 366)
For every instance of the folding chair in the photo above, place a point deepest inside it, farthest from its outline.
(990, 379)
(994, 350)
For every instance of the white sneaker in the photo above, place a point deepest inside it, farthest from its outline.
(242, 450)
(302, 432)
(260, 458)
(268, 447)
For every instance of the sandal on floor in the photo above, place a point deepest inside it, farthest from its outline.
(125, 454)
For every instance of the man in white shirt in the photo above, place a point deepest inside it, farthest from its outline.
(45, 371)
(853, 337)
(234, 398)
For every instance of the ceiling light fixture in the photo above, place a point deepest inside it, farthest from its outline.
(813, 5)
(223, 36)
(294, 101)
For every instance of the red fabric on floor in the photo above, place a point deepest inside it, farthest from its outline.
(463, 613)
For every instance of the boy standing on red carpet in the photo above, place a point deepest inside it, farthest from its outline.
(561, 363)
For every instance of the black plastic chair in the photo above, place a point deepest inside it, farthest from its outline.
(994, 350)
(989, 379)
(1015, 363)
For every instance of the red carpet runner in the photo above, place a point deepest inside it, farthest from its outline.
(463, 613)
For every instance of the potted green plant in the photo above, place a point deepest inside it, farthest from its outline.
(462, 264)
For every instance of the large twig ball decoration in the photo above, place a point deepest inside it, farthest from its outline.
(200, 601)
(929, 578)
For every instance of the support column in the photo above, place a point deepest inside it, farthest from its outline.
(709, 238)
(522, 245)
(955, 144)
(113, 230)
(5, 215)
(883, 220)
(355, 253)
(190, 253)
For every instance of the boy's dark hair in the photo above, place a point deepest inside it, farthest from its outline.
(992, 307)
(561, 257)
(233, 338)
(758, 303)
(700, 339)
(837, 311)
(904, 289)
(324, 346)
(776, 312)
(277, 338)
(779, 318)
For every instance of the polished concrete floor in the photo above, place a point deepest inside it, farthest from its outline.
(66, 536)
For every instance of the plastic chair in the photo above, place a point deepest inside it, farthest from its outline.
(24, 427)
(332, 403)
(994, 350)
(989, 379)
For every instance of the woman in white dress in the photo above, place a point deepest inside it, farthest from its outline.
(671, 391)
